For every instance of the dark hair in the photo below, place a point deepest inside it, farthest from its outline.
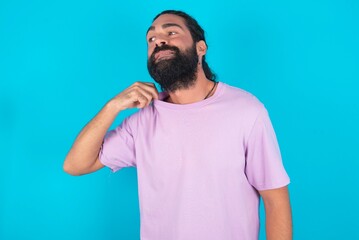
(197, 34)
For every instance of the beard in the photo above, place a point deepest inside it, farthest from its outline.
(177, 72)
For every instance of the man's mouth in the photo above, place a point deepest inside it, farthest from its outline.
(164, 54)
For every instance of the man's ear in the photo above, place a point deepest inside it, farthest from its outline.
(201, 48)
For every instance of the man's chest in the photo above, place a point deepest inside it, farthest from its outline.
(193, 144)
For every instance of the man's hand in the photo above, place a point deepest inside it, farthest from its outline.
(83, 155)
(139, 94)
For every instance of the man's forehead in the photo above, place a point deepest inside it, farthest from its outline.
(167, 20)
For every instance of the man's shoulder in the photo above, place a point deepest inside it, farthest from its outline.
(238, 96)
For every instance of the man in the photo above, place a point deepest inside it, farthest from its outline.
(204, 151)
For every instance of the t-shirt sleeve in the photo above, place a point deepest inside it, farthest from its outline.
(264, 167)
(118, 148)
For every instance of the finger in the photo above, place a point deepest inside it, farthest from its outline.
(150, 87)
(146, 91)
(140, 96)
(141, 101)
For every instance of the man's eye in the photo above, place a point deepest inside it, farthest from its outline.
(151, 39)
(172, 33)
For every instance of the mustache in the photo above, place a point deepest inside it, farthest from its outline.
(162, 48)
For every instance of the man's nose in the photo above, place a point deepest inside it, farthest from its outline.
(160, 40)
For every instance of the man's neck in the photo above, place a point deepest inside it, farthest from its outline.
(201, 88)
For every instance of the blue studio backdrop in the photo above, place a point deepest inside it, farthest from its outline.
(61, 61)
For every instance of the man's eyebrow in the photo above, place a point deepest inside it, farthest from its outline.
(166, 25)
(150, 29)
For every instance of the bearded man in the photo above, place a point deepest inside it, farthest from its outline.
(205, 151)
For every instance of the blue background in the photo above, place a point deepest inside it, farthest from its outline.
(61, 61)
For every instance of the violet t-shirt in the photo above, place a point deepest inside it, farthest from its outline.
(199, 165)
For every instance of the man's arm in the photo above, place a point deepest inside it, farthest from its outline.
(278, 214)
(83, 155)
